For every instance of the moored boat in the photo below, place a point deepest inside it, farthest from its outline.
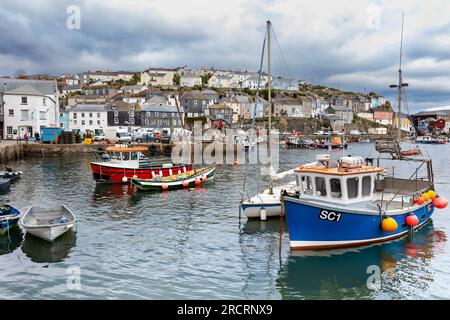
(121, 163)
(353, 204)
(9, 217)
(48, 223)
(4, 184)
(187, 179)
(9, 173)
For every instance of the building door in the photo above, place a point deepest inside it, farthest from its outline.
(23, 129)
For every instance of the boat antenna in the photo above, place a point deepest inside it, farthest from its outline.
(270, 105)
(400, 85)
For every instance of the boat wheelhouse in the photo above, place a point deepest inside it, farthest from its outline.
(121, 163)
(345, 205)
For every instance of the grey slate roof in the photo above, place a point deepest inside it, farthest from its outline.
(88, 108)
(47, 87)
(156, 107)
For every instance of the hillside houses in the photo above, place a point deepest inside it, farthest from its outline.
(105, 76)
(190, 80)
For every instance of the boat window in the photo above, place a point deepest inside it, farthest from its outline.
(125, 156)
(335, 188)
(366, 183)
(134, 156)
(352, 187)
(321, 187)
(307, 185)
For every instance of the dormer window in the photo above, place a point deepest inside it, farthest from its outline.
(24, 100)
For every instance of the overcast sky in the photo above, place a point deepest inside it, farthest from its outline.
(349, 44)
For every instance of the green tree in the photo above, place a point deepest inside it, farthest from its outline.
(283, 124)
(176, 79)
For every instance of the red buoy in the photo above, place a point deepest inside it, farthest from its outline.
(197, 181)
(420, 200)
(185, 184)
(412, 220)
(165, 186)
(204, 178)
(440, 202)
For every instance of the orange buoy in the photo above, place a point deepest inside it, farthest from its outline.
(185, 184)
(389, 225)
(197, 181)
(432, 194)
(440, 202)
(165, 186)
(412, 220)
(420, 200)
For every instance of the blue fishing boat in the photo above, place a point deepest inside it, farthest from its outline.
(356, 203)
(9, 217)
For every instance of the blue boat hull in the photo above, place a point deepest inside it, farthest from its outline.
(7, 224)
(312, 227)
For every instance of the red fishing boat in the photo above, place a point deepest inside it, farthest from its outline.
(119, 164)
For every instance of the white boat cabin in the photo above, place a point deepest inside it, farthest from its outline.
(129, 157)
(350, 182)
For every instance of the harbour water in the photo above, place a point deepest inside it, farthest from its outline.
(190, 244)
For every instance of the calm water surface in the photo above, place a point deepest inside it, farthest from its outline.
(190, 244)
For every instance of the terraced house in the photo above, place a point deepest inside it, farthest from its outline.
(27, 105)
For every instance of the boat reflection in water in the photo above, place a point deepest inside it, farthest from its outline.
(344, 273)
(11, 243)
(42, 251)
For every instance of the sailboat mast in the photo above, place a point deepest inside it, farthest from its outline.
(399, 86)
(269, 65)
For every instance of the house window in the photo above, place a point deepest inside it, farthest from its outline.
(116, 114)
(9, 130)
(74, 115)
(352, 187)
(24, 115)
(335, 188)
(91, 122)
(11, 112)
(195, 102)
(321, 187)
(98, 115)
(83, 122)
(42, 115)
(98, 122)
(82, 114)
(90, 114)
(61, 125)
(74, 121)
(44, 101)
(116, 120)
(24, 100)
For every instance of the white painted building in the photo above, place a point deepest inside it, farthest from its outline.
(190, 80)
(88, 117)
(28, 106)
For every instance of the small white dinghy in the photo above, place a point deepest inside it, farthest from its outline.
(48, 223)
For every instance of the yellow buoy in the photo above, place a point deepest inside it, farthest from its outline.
(426, 196)
(389, 225)
(432, 194)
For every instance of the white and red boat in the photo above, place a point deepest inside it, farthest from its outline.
(121, 163)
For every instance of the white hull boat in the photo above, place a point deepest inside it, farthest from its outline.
(48, 223)
(271, 203)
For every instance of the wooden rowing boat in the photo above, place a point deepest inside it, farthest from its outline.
(182, 180)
